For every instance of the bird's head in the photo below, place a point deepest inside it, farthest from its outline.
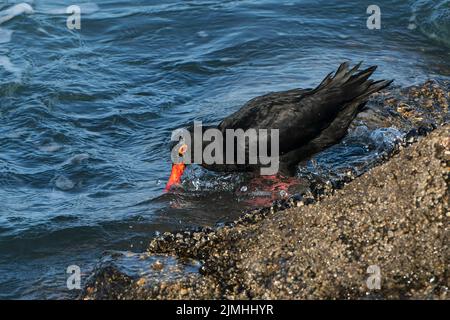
(178, 166)
(184, 142)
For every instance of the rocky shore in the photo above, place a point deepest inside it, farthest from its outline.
(382, 235)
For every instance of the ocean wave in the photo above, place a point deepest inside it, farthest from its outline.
(14, 11)
(6, 64)
(432, 19)
(5, 34)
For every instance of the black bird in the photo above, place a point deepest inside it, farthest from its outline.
(308, 120)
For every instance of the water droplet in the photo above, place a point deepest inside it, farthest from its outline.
(196, 184)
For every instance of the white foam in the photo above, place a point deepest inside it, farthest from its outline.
(52, 147)
(64, 183)
(15, 11)
(202, 34)
(6, 63)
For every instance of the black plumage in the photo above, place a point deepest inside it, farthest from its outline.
(308, 120)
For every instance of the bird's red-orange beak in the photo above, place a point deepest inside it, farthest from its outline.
(177, 169)
(175, 175)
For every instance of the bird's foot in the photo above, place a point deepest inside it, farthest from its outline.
(264, 190)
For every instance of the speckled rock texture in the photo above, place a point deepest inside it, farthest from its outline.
(396, 216)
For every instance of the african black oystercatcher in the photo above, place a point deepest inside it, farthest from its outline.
(308, 120)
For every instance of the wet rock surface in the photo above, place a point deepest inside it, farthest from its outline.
(320, 244)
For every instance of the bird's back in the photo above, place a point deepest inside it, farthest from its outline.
(301, 115)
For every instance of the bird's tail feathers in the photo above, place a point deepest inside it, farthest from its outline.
(351, 84)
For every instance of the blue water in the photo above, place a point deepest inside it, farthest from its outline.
(86, 115)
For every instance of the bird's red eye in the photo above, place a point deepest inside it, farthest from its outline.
(183, 149)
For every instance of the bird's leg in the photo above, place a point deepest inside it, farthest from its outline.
(276, 185)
